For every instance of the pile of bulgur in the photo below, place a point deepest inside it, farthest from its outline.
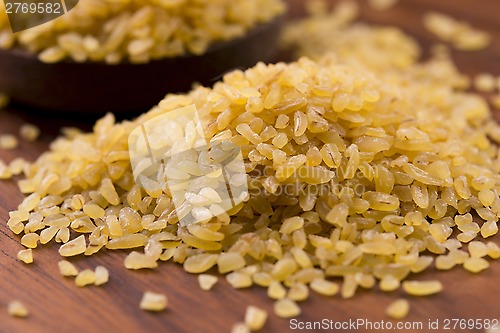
(360, 174)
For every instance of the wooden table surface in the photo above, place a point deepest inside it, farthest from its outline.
(57, 305)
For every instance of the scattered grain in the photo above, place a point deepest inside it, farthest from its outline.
(17, 309)
(239, 280)
(422, 288)
(152, 301)
(485, 82)
(207, 281)
(25, 256)
(255, 318)
(101, 275)
(286, 308)
(85, 278)
(398, 309)
(29, 132)
(66, 268)
(8, 142)
(460, 34)
(136, 260)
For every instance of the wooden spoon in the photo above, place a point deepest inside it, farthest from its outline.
(127, 88)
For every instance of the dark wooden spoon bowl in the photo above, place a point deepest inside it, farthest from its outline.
(125, 88)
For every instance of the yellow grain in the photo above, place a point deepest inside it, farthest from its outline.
(207, 281)
(286, 308)
(85, 278)
(101, 275)
(17, 309)
(29, 132)
(255, 318)
(422, 288)
(25, 256)
(398, 309)
(152, 301)
(66, 268)
(74, 247)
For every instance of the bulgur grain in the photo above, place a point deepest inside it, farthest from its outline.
(286, 308)
(398, 309)
(460, 34)
(422, 288)
(85, 278)
(228, 262)
(73, 247)
(324, 287)
(298, 292)
(276, 290)
(239, 280)
(152, 301)
(101, 275)
(476, 265)
(25, 256)
(29, 132)
(484, 82)
(137, 260)
(207, 281)
(66, 268)
(17, 309)
(255, 318)
(8, 142)
(30, 240)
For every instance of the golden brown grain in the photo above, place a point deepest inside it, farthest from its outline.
(398, 309)
(17, 309)
(66, 268)
(25, 256)
(152, 301)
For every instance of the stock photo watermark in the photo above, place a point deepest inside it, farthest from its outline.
(363, 324)
(205, 179)
(27, 14)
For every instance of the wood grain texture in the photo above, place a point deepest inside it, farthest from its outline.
(57, 305)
